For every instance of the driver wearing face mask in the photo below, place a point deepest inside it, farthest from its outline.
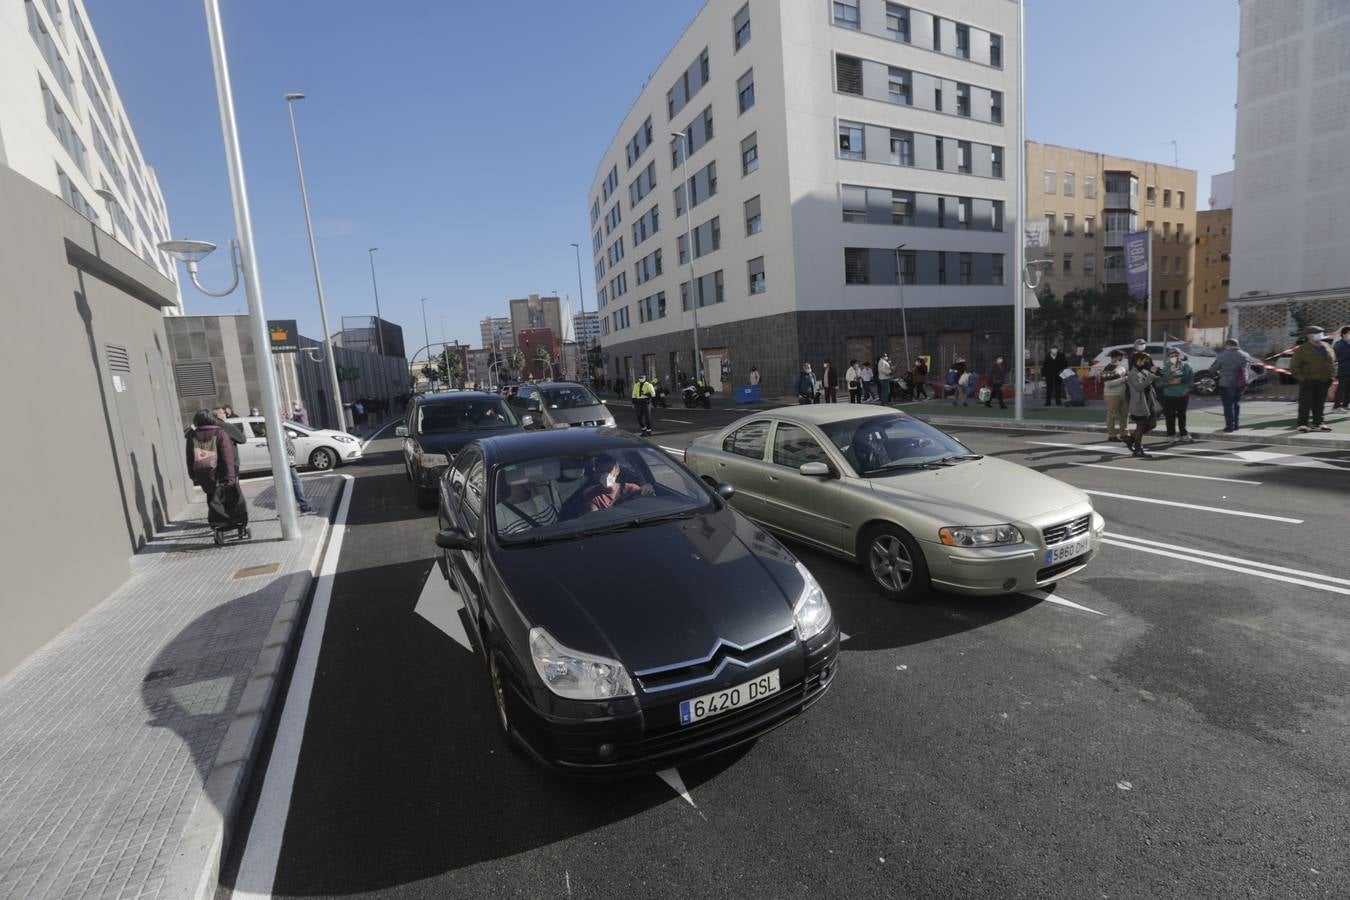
(609, 490)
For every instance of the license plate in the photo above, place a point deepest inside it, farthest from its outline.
(1067, 551)
(728, 699)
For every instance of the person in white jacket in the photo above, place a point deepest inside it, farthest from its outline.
(884, 378)
(853, 381)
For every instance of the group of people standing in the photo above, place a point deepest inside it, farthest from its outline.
(1142, 392)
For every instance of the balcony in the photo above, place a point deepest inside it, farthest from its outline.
(1121, 200)
(1113, 276)
(1113, 238)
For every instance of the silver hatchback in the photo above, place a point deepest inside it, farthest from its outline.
(560, 404)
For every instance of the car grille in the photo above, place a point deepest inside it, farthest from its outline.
(664, 679)
(591, 424)
(1060, 568)
(1066, 531)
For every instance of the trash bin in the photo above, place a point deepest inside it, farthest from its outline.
(747, 393)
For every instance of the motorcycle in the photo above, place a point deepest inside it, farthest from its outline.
(660, 399)
(696, 396)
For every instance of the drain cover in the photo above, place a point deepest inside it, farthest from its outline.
(257, 570)
(157, 675)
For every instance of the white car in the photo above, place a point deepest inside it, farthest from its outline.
(1200, 359)
(318, 448)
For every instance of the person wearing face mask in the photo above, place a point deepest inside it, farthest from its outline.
(1055, 362)
(1176, 380)
(1140, 388)
(806, 386)
(1314, 366)
(609, 490)
(1342, 350)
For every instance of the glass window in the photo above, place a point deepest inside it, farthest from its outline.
(966, 263)
(752, 217)
(1181, 199)
(748, 440)
(855, 203)
(996, 161)
(473, 497)
(1068, 225)
(902, 148)
(1050, 222)
(1068, 184)
(745, 90)
(963, 156)
(996, 51)
(1068, 264)
(750, 154)
(1049, 181)
(902, 207)
(889, 441)
(1167, 198)
(897, 22)
(1089, 263)
(469, 414)
(756, 271)
(848, 74)
(741, 27)
(1089, 222)
(1090, 186)
(572, 396)
(855, 265)
(850, 140)
(794, 446)
(899, 87)
(846, 13)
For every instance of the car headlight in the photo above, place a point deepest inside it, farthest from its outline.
(561, 425)
(979, 535)
(344, 439)
(432, 460)
(811, 612)
(1098, 522)
(575, 675)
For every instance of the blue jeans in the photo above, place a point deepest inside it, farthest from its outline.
(299, 489)
(1230, 396)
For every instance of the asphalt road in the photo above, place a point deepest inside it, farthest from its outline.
(1172, 721)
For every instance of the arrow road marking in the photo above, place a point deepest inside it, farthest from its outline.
(672, 779)
(1055, 598)
(440, 605)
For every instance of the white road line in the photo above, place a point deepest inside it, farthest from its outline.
(1055, 598)
(1227, 566)
(681, 421)
(1197, 507)
(1246, 563)
(673, 450)
(1263, 457)
(1162, 472)
(258, 865)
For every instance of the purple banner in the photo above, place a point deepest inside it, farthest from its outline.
(1136, 264)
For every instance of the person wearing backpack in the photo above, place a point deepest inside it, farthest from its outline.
(214, 468)
(1231, 364)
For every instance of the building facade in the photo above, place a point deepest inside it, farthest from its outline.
(820, 137)
(62, 126)
(368, 334)
(586, 327)
(535, 312)
(1090, 201)
(1213, 249)
(1292, 185)
(498, 329)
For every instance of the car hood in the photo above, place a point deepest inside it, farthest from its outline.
(454, 441)
(653, 596)
(599, 412)
(980, 492)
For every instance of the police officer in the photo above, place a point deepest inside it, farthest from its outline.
(643, 394)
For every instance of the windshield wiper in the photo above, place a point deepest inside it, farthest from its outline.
(962, 457)
(918, 464)
(640, 522)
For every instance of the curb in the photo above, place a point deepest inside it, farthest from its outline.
(1280, 440)
(195, 869)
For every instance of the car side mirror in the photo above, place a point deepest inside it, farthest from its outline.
(454, 539)
(726, 490)
(401, 431)
(527, 421)
(534, 406)
(814, 469)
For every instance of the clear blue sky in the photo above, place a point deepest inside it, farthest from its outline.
(461, 138)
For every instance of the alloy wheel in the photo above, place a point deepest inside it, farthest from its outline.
(891, 565)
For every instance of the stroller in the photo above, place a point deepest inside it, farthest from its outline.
(1073, 386)
(902, 388)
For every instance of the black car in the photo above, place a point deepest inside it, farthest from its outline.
(629, 618)
(439, 425)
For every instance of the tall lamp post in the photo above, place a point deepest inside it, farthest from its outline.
(190, 252)
(689, 243)
(585, 345)
(426, 335)
(379, 332)
(1019, 248)
(904, 319)
(334, 386)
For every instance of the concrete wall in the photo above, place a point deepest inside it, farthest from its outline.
(97, 465)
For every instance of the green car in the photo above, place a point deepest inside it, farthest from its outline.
(910, 503)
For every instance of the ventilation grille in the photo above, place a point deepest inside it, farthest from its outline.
(118, 360)
(848, 74)
(195, 379)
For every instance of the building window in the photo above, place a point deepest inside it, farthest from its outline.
(851, 140)
(1162, 265)
(937, 99)
(963, 100)
(1167, 198)
(996, 215)
(908, 267)
(1068, 225)
(855, 266)
(1167, 230)
(897, 22)
(1179, 265)
(1090, 186)
(996, 53)
(848, 74)
(996, 161)
(1180, 234)
(846, 13)
(963, 156)
(1176, 299)
(902, 148)
(750, 154)
(1181, 199)
(1049, 181)
(966, 264)
(1089, 263)
(1151, 195)
(855, 203)
(900, 86)
(1089, 222)
(1068, 184)
(964, 210)
(745, 90)
(1068, 264)
(996, 268)
(756, 270)
(741, 27)
(942, 267)
(996, 107)
(753, 222)
(902, 207)
(942, 212)
(939, 156)
(1050, 222)
(963, 41)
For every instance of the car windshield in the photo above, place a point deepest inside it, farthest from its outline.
(463, 414)
(565, 497)
(892, 442)
(571, 396)
(1189, 349)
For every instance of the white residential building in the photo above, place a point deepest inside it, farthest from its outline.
(586, 326)
(823, 134)
(496, 329)
(62, 125)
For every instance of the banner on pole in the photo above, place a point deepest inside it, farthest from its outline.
(1136, 264)
(1036, 234)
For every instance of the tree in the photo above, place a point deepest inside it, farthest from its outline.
(543, 362)
(1087, 318)
(515, 361)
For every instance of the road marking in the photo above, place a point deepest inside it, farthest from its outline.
(1262, 457)
(1247, 563)
(843, 637)
(1161, 472)
(258, 865)
(672, 779)
(1195, 506)
(673, 450)
(681, 421)
(1055, 598)
(1227, 566)
(440, 605)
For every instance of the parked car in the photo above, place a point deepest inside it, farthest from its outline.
(438, 425)
(318, 448)
(623, 636)
(560, 404)
(1200, 359)
(908, 502)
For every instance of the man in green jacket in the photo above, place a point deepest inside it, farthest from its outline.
(1314, 366)
(1175, 383)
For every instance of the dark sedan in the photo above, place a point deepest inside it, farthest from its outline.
(438, 425)
(628, 617)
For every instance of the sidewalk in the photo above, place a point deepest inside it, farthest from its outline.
(128, 739)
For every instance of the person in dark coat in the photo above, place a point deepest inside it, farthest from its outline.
(996, 378)
(829, 378)
(218, 416)
(1055, 362)
(214, 468)
(920, 379)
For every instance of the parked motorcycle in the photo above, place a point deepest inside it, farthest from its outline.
(696, 396)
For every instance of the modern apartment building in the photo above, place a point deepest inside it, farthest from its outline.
(62, 125)
(1292, 187)
(535, 312)
(586, 327)
(1091, 200)
(496, 328)
(821, 137)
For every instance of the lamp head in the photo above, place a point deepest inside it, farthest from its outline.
(105, 194)
(190, 252)
(294, 96)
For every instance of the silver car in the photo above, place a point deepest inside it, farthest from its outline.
(560, 404)
(910, 503)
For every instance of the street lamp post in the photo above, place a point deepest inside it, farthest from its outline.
(904, 319)
(1020, 234)
(334, 386)
(426, 335)
(689, 243)
(585, 345)
(379, 332)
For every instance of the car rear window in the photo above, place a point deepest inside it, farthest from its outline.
(463, 414)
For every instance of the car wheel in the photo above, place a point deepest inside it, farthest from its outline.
(322, 459)
(894, 562)
(499, 703)
(1206, 384)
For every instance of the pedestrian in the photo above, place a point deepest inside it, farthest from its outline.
(853, 379)
(253, 411)
(1140, 388)
(1176, 380)
(1342, 349)
(643, 394)
(1113, 392)
(298, 413)
(1314, 366)
(805, 386)
(618, 387)
(1231, 364)
(299, 489)
(829, 377)
(920, 379)
(868, 385)
(958, 376)
(359, 411)
(214, 467)
(884, 378)
(996, 376)
(226, 412)
(1055, 362)
(754, 375)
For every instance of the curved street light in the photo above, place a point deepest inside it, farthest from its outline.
(189, 253)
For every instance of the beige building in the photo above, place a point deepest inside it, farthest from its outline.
(1213, 244)
(1091, 201)
(534, 312)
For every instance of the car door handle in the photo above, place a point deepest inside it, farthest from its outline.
(773, 477)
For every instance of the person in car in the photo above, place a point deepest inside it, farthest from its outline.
(524, 506)
(607, 490)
